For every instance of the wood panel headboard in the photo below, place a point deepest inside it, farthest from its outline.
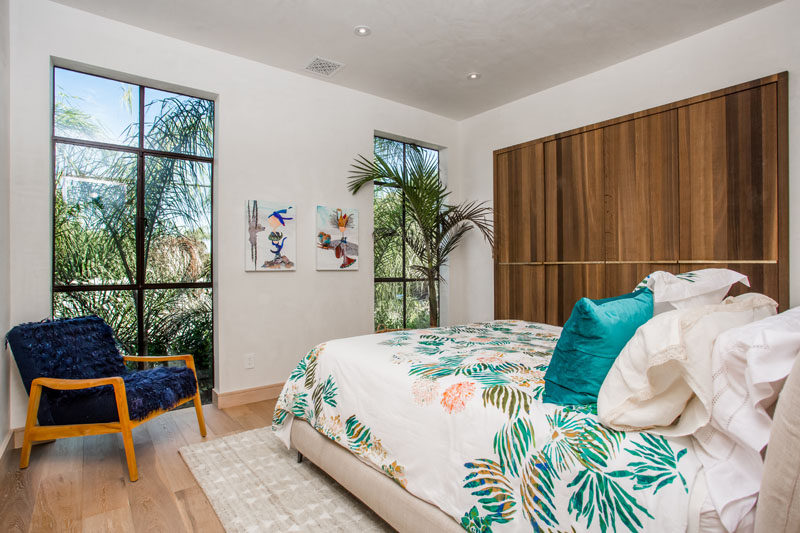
(693, 184)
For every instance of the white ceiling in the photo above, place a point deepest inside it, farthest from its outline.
(421, 50)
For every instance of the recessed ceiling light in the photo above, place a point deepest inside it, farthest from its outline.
(362, 31)
(474, 76)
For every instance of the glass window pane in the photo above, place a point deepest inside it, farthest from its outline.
(178, 210)
(417, 305)
(388, 221)
(180, 321)
(94, 216)
(412, 259)
(178, 123)
(429, 154)
(391, 151)
(388, 306)
(390, 252)
(117, 308)
(95, 109)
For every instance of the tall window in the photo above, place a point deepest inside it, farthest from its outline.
(401, 297)
(132, 214)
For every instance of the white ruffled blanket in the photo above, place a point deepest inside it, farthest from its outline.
(749, 365)
(666, 382)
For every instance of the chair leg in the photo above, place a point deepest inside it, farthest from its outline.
(30, 422)
(121, 398)
(130, 455)
(25, 454)
(198, 407)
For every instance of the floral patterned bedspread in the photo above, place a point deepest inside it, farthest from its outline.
(454, 415)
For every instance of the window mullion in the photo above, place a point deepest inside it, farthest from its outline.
(132, 149)
(403, 232)
(141, 224)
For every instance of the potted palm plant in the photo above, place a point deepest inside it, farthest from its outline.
(433, 227)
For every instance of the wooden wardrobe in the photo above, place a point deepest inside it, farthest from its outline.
(694, 184)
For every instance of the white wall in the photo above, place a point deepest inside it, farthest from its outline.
(759, 44)
(4, 193)
(280, 136)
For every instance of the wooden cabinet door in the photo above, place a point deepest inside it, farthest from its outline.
(574, 197)
(519, 292)
(641, 189)
(729, 177)
(641, 199)
(574, 221)
(519, 205)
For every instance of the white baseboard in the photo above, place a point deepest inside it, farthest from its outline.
(18, 434)
(223, 400)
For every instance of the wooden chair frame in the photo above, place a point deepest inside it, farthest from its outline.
(35, 432)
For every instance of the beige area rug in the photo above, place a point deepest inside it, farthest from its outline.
(255, 484)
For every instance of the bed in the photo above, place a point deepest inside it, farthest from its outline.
(444, 429)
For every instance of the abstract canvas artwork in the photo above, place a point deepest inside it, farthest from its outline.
(337, 238)
(271, 236)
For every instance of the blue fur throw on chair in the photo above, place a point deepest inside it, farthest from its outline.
(80, 348)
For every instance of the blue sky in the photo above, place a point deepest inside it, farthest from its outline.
(103, 100)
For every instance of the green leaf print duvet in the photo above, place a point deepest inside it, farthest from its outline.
(454, 415)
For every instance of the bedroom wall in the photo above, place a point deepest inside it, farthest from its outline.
(759, 44)
(4, 193)
(279, 135)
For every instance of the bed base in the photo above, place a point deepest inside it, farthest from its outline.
(398, 507)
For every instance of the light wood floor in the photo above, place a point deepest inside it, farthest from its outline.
(81, 483)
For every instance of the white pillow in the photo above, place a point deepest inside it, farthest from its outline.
(662, 380)
(749, 365)
(690, 289)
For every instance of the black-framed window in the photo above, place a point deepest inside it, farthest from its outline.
(132, 196)
(401, 298)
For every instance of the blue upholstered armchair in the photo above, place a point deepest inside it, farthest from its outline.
(78, 384)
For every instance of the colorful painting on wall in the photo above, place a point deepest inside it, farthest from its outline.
(337, 238)
(271, 236)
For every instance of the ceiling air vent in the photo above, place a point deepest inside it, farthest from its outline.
(324, 67)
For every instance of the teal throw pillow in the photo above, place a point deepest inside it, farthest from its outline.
(591, 340)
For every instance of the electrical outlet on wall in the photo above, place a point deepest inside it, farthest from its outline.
(249, 360)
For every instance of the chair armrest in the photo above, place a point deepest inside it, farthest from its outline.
(74, 384)
(156, 358)
(187, 358)
(120, 395)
